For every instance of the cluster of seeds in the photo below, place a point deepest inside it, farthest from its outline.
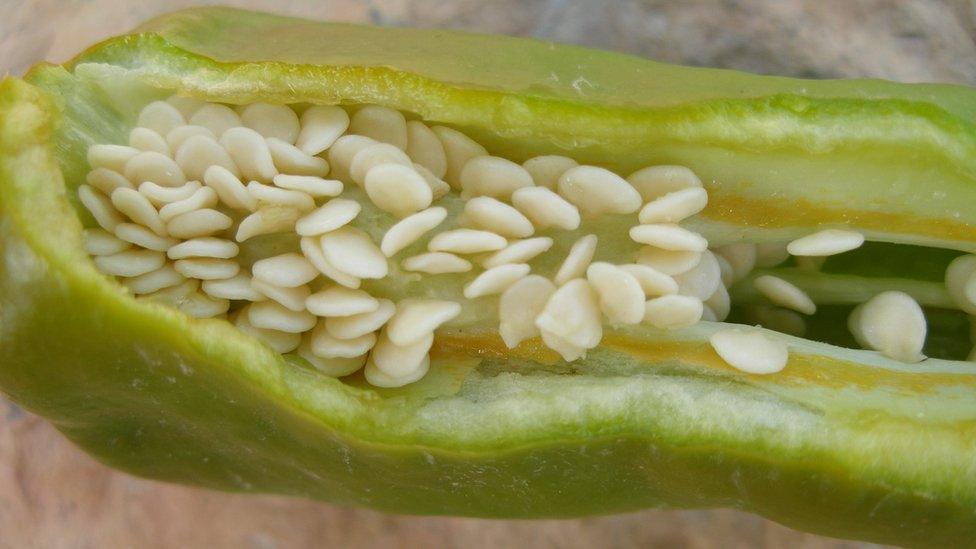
(197, 180)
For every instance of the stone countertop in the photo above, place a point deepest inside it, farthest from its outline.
(53, 495)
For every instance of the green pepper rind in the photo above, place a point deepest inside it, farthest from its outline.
(843, 443)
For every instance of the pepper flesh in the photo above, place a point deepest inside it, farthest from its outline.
(841, 442)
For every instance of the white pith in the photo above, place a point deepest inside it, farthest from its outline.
(196, 180)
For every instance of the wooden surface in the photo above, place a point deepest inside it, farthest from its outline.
(52, 495)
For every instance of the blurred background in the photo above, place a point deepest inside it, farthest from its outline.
(52, 495)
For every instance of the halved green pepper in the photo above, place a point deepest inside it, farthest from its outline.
(841, 442)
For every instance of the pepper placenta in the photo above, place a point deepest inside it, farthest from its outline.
(843, 442)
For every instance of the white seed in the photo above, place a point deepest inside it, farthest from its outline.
(719, 303)
(207, 246)
(656, 181)
(374, 155)
(160, 196)
(653, 282)
(268, 195)
(378, 378)
(702, 280)
(177, 136)
(708, 315)
(312, 250)
(438, 187)
(198, 223)
(334, 367)
(292, 160)
(771, 254)
(271, 315)
(436, 263)
(155, 167)
(229, 188)
(458, 149)
(204, 197)
(237, 287)
(674, 207)
(400, 360)
(892, 323)
(669, 262)
(397, 189)
(416, 318)
(494, 215)
(100, 207)
(727, 274)
(321, 127)
(784, 294)
(424, 148)
(410, 229)
(200, 152)
(309, 184)
(495, 280)
(546, 209)
(250, 152)
(111, 157)
(826, 242)
(596, 191)
(958, 277)
(207, 268)
(143, 237)
(287, 270)
(102, 242)
(281, 342)
(567, 350)
(138, 208)
(778, 319)
(174, 295)
(672, 311)
(750, 350)
(291, 298)
(353, 326)
(546, 170)
(324, 345)
(669, 237)
(577, 260)
(161, 117)
(272, 121)
(383, 124)
(620, 295)
(145, 139)
(153, 281)
(200, 305)
(267, 220)
(340, 301)
(519, 251)
(106, 181)
(519, 306)
(353, 252)
(186, 105)
(328, 217)
(342, 153)
(466, 241)
(130, 263)
(494, 177)
(573, 315)
(741, 257)
(216, 118)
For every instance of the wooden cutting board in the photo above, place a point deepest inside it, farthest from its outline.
(53, 495)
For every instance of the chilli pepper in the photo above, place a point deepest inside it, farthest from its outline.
(841, 441)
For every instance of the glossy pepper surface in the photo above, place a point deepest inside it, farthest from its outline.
(841, 442)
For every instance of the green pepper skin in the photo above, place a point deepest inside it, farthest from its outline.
(842, 442)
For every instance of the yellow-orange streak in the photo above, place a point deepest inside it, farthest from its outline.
(775, 213)
(802, 370)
